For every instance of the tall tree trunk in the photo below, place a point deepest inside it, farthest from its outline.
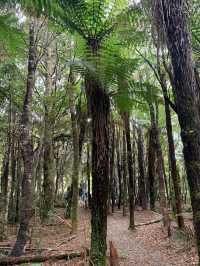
(142, 178)
(48, 160)
(160, 171)
(4, 180)
(186, 97)
(11, 205)
(172, 157)
(119, 168)
(112, 161)
(88, 175)
(83, 123)
(152, 168)
(124, 166)
(130, 169)
(99, 105)
(76, 158)
(27, 151)
(18, 184)
(58, 176)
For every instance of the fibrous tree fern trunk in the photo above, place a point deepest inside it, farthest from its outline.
(186, 96)
(99, 105)
(131, 189)
(27, 150)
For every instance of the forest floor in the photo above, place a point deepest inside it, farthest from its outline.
(148, 245)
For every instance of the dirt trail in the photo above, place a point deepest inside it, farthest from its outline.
(147, 245)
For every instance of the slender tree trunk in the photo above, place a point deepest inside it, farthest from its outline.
(38, 177)
(11, 205)
(112, 161)
(57, 166)
(76, 158)
(172, 157)
(160, 171)
(119, 168)
(88, 175)
(142, 178)
(82, 133)
(27, 151)
(48, 162)
(130, 169)
(4, 179)
(152, 168)
(18, 184)
(124, 166)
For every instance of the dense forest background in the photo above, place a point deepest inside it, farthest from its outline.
(99, 114)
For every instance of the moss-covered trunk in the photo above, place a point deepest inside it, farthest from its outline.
(76, 159)
(27, 151)
(13, 156)
(4, 179)
(48, 156)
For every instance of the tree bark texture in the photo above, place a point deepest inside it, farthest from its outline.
(76, 158)
(124, 167)
(4, 179)
(99, 106)
(160, 170)
(48, 160)
(27, 151)
(142, 179)
(119, 168)
(131, 188)
(172, 157)
(186, 97)
(152, 168)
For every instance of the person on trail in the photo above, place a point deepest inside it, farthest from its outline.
(83, 194)
(68, 201)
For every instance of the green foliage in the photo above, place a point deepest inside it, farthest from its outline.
(11, 37)
(195, 27)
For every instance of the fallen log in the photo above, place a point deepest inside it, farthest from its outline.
(8, 261)
(151, 222)
(66, 240)
(26, 249)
